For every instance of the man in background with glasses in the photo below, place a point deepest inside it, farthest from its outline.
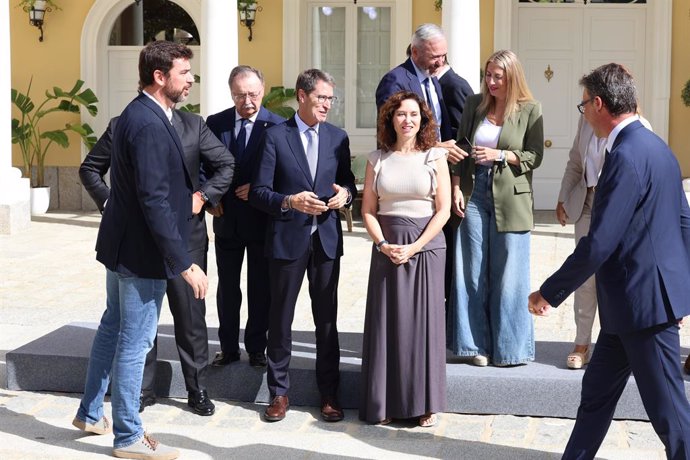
(239, 227)
(302, 179)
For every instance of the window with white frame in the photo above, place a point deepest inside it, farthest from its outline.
(357, 43)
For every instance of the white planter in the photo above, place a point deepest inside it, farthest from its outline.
(40, 200)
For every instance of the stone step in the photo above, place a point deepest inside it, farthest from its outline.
(57, 362)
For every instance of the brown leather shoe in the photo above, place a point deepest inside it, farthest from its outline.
(330, 409)
(275, 412)
(687, 365)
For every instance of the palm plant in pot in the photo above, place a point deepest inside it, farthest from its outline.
(34, 142)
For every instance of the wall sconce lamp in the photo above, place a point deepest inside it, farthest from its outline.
(247, 10)
(37, 10)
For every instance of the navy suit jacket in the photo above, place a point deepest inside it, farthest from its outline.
(239, 218)
(199, 145)
(404, 78)
(146, 224)
(455, 91)
(283, 170)
(639, 239)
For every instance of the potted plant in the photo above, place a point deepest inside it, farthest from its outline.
(34, 142)
(276, 101)
(685, 94)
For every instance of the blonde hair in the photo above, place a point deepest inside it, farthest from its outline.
(517, 90)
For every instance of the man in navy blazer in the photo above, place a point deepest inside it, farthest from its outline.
(189, 314)
(240, 227)
(428, 52)
(302, 179)
(639, 247)
(455, 91)
(142, 240)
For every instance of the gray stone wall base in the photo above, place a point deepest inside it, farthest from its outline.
(58, 362)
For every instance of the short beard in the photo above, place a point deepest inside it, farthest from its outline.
(174, 96)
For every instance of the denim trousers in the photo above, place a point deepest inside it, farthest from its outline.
(124, 337)
(491, 282)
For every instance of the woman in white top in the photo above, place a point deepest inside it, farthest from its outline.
(405, 204)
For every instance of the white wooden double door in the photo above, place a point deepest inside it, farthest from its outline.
(559, 43)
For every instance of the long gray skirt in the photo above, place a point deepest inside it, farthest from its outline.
(404, 353)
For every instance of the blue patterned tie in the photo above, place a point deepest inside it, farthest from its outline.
(241, 141)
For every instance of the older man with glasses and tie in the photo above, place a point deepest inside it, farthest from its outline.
(239, 227)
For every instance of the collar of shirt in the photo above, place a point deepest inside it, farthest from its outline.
(167, 110)
(303, 127)
(619, 127)
(238, 117)
(421, 74)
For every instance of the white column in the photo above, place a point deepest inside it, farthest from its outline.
(460, 22)
(219, 53)
(14, 191)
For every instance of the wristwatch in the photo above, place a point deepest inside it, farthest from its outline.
(380, 244)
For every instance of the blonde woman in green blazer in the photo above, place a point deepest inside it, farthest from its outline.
(492, 191)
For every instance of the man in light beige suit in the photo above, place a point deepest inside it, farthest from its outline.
(575, 205)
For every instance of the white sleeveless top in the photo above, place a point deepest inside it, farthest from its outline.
(406, 184)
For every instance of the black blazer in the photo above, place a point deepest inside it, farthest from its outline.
(198, 144)
(455, 91)
(404, 78)
(239, 218)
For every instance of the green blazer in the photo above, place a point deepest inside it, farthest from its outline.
(522, 134)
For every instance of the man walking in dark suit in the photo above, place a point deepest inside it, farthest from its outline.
(302, 179)
(639, 246)
(189, 314)
(142, 240)
(239, 227)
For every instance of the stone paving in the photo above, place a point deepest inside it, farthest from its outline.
(49, 277)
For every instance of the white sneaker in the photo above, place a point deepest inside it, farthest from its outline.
(480, 360)
(100, 427)
(147, 448)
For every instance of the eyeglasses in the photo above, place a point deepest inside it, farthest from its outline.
(581, 105)
(243, 96)
(322, 99)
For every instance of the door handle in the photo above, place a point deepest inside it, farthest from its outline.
(548, 143)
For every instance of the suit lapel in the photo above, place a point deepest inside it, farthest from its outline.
(295, 143)
(179, 126)
(158, 111)
(258, 129)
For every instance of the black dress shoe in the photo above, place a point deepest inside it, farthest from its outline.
(146, 400)
(200, 404)
(223, 359)
(257, 359)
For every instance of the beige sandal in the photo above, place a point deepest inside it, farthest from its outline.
(576, 359)
(428, 420)
(385, 421)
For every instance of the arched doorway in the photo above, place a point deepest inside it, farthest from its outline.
(111, 70)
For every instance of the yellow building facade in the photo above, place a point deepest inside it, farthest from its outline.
(56, 62)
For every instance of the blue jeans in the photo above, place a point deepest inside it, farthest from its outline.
(124, 336)
(488, 313)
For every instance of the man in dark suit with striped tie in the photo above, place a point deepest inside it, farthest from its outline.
(239, 227)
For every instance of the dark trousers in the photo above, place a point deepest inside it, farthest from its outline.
(191, 335)
(286, 280)
(229, 258)
(651, 355)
